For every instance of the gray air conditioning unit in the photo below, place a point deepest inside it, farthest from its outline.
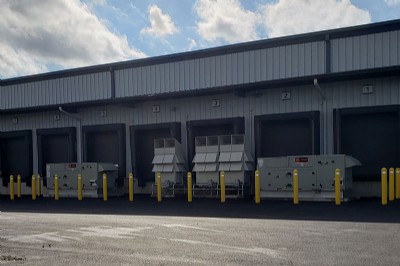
(316, 175)
(92, 179)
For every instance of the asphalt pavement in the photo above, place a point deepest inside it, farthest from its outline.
(206, 231)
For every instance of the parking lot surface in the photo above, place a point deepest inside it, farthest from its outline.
(204, 232)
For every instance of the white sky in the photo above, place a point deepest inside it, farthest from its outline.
(46, 35)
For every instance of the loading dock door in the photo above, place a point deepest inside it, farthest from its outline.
(372, 135)
(16, 155)
(57, 145)
(211, 127)
(142, 147)
(287, 134)
(105, 144)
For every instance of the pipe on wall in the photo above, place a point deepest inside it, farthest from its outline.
(324, 116)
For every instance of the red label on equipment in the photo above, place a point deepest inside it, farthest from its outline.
(301, 159)
(72, 165)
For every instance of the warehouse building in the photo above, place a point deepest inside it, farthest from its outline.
(328, 92)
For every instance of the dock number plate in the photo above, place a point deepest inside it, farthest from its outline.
(215, 103)
(286, 95)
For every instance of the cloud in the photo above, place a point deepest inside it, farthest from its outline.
(66, 35)
(392, 2)
(192, 44)
(225, 20)
(161, 23)
(286, 17)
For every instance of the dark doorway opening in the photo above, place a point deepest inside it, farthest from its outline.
(16, 155)
(142, 147)
(287, 134)
(105, 144)
(55, 145)
(372, 135)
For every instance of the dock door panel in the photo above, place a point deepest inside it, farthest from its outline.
(372, 135)
(287, 134)
(55, 145)
(142, 147)
(105, 144)
(16, 155)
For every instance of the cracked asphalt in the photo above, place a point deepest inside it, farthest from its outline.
(205, 232)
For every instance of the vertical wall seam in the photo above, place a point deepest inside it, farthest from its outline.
(112, 80)
(327, 54)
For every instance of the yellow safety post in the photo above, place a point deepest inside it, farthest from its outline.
(391, 184)
(11, 187)
(18, 186)
(384, 186)
(56, 188)
(39, 186)
(105, 187)
(337, 187)
(33, 186)
(79, 187)
(189, 185)
(158, 187)
(397, 183)
(222, 183)
(130, 186)
(257, 187)
(295, 186)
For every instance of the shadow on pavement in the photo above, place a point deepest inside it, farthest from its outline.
(355, 211)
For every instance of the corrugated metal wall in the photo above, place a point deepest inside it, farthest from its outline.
(238, 68)
(365, 51)
(57, 91)
(296, 60)
(304, 98)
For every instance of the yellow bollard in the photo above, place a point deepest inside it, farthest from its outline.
(222, 183)
(105, 189)
(257, 187)
(11, 184)
(33, 186)
(384, 186)
(295, 186)
(18, 186)
(158, 187)
(397, 183)
(79, 187)
(337, 187)
(56, 188)
(189, 187)
(130, 185)
(39, 186)
(391, 184)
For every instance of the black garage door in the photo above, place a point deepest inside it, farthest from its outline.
(16, 155)
(142, 147)
(287, 134)
(372, 135)
(105, 143)
(55, 145)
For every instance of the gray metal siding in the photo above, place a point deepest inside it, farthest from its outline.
(216, 71)
(303, 98)
(365, 51)
(57, 91)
